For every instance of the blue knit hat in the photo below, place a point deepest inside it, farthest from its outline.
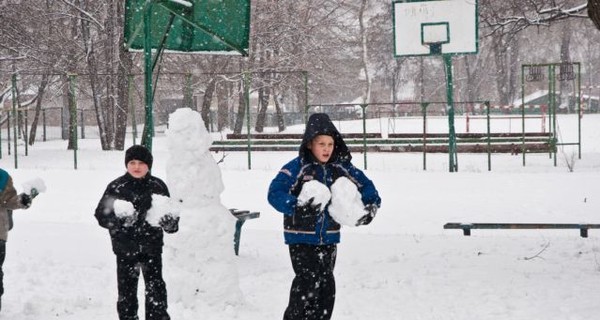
(3, 179)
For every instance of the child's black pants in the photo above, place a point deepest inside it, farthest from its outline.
(312, 295)
(128, 273)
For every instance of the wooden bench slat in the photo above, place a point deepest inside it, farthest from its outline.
(514, 143)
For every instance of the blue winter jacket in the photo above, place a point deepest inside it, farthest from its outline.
(283, 193)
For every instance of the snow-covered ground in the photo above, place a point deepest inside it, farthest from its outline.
(404, 265)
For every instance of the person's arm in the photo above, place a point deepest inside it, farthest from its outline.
(11, 200)
(369, 194)
(279, 190)
(105, 213)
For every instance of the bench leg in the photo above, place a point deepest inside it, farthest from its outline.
(237, 235)
(466, 231)
(583, 232)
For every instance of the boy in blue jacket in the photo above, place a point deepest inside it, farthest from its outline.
(309, 231)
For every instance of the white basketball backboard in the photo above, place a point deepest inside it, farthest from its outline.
(426, 27)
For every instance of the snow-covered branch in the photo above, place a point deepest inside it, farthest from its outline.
(85, 14)
(539, 15)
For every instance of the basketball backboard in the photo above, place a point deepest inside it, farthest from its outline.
(428, 27)
(221, 26)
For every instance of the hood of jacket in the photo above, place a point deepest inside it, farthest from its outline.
(320, 124)
(3, 179)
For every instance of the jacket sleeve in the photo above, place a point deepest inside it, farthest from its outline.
(279, 195)
(369, 194)
(9, 199)
(105, 213)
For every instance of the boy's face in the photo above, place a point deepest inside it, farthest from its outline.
(322, 147)
(137, 169)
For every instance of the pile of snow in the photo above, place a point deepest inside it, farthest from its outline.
(346, 204)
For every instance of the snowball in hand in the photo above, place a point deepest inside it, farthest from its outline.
(34, 187)
(317, 190)
(346, 205)
(161, 206)
(123, 208)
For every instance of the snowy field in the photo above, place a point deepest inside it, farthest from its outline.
(404, 265)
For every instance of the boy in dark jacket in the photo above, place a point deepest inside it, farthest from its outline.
(137, 244)
(309, 231)
(9, 200)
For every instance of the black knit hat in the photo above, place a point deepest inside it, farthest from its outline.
(139, 152)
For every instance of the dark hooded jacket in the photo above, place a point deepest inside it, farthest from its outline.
(140, 236)
(286, 186)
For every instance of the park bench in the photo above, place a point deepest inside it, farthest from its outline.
(285, 141)
(514, 143)
(241, 216)
(499, 142)
(466, 227)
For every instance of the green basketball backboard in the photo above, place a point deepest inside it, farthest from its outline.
(211, 26)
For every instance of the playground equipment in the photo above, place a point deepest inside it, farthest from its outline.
(429, 28)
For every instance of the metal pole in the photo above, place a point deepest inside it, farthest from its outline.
(364, 123)
(489, 141)
(552, 96)
(579, 111)
(247, 100)
(15, 121)
(424, 111)
(450, 100)
(149, 122)
(523, 107)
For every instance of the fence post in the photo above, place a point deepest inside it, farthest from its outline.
(247, 100)
(489, 142)
(424, 112)
(364, 123)
(14, 105)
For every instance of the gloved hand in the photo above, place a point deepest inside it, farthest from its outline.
(128, 221)
(25, 200)
(169, 223)
(308, 209)
(371, 210)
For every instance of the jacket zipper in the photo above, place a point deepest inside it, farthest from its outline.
(323, 222)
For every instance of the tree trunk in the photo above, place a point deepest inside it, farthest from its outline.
(38, 109)
(123, 79)
(93, 74)
(278, 111)
(241, 112)
(594, 12)
(263, 101)
(208, 96)
(222, 105)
